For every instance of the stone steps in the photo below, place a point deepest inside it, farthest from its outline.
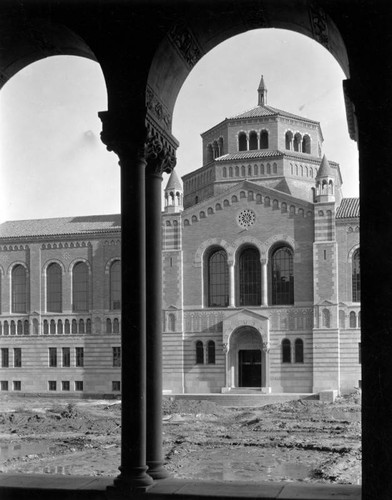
(242, 400)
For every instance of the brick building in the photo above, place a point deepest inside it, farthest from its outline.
(260, 277)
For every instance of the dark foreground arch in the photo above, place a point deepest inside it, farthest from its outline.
(146, 50)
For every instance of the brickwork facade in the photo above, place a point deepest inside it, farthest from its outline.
(260, 276)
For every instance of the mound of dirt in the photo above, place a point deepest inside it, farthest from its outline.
(190, 406)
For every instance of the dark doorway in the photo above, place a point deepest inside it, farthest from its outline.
(249, 368)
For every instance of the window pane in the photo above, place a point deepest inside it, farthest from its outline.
(199, 352)
(286, 351)
(79, 356)
(356, 278)
(80, 287)
(250, 278)
(218, 280)
(54, 288)
(299, 351)
(19, 290)
(211, 352)
(115, 285)
(282, 277)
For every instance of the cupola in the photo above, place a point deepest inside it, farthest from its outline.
(262, 91)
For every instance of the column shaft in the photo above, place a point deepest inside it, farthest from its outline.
(264, 284)
(154, 325)
(133, 332)
(231, 285)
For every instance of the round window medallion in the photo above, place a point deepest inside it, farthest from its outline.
(246, 218)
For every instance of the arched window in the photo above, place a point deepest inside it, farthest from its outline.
(116, 326)
(224, 172)
(242, 142)
(115, 286)
(20, 327)
(52, 326)
(218, 279)
(306, 144)
(46, 327)
(256, 170)
(288, 140)
(297, 142)
(211, 352)
(80, 287)
(299, 351)
(67, 327)
(54, 288)
(199, 352)
(74, 326)
(6, 328)
(81, 326)
(26, 327)
(353, 320)
(230, 171)
(263, 139)
(88, 325)
(243, 171)
(253, 140)
(250, 277)
(108, 325)
(326, 318)
(286, 351)
(171, 322)
(19, 289)
(282, 276)
(60, 326)
(356, 277)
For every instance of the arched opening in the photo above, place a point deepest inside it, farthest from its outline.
(253, 142)
(249, 277)
(242, 142)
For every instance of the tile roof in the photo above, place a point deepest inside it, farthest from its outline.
(349, 208)
(269, 111)
(60, 226)
(243, 155)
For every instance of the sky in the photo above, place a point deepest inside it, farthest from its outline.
(53, 164)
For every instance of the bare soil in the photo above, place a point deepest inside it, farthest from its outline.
(303, 440)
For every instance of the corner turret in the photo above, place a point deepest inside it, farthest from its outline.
(325, 183)
(174, 194)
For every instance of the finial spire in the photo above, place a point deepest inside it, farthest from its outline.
(262, 91)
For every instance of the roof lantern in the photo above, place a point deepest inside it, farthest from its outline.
(262, 91)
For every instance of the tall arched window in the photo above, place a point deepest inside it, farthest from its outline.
(353, 320)
(263, 139)
(306, 144)
(242, 142)
(54, 288)
(19, 289)
(250, 277)
(211, 352)
(218, 279)
(80, 287)
(282, 276)
(253, 140)
(171, 322)
(356, 277)
(199, 352)
(299, 351)
(289, 140)
(115, 285)
(286, 351)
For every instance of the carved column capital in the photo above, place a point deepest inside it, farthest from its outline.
(124, 137)
(266, 347)
(160, 158)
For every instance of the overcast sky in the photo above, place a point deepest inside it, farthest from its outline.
(53, 163)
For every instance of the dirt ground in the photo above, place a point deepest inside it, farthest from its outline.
(301, 440)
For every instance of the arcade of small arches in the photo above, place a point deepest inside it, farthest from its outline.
(303, 170)
(198, 180)
(249, 171)
(324, 187)
(248, 280)
(297, 142)
(251, 141)
(250, 196)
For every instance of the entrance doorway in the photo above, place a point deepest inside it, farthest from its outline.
(249, 368)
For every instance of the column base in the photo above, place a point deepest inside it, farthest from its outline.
(136, 480)
(157, 471)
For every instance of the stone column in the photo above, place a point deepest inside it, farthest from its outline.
(120, 136)
(160, 160)
(266, 350)
(264, 283)
(231, 285)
